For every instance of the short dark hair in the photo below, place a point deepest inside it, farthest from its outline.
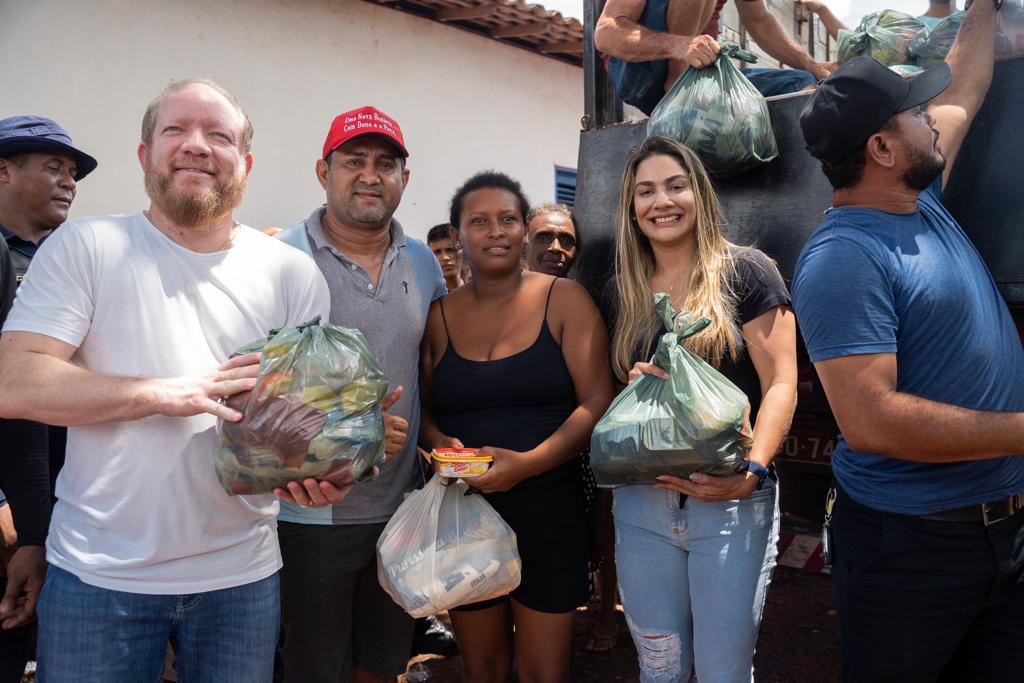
(439, 232)
(488, 180)
(153, 110)
(848, 172)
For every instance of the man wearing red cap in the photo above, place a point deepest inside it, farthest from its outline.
(339, 624)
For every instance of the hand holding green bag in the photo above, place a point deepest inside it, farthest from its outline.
(315, 412)
(694, 421)
(719, 114)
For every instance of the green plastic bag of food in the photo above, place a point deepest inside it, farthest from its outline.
(885, 36)
(931, 47)
(314, 412)
(716, 112)
(692, 422)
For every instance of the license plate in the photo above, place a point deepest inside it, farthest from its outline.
(810, 442)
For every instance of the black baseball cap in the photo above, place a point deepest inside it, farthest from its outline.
(851, 104)
(20, 134)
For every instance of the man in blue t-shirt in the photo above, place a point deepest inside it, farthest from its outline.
(925, 373)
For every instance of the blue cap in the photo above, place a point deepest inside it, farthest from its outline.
(19, 134)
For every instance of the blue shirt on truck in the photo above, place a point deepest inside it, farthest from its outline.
(870, 281)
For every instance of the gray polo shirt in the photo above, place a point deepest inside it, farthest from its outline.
(392, 315)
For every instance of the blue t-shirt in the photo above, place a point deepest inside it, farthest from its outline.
(869, 281)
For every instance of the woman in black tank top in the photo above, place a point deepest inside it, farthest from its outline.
(516, 364)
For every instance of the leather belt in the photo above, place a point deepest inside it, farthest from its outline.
(986, 513)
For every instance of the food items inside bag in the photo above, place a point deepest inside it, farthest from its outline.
(460, 462)
(695, 421)
(444, 548)
(885, 36)
(314, 412)
(719, 114)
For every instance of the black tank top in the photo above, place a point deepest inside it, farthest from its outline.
(514, 402)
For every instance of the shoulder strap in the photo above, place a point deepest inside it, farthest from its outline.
(548, 302)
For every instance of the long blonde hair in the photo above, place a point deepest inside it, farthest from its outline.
(709, 292)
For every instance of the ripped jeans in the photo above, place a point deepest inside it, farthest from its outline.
(693, 580)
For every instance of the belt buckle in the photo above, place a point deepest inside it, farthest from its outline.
(985, 519)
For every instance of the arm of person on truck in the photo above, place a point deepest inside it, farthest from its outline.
(768, 33)
(830, 21)
(875, 417)
(970, 60)
(619, 34)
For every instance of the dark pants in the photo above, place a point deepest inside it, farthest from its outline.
(336, 616)
(926, 600)
(15, 648)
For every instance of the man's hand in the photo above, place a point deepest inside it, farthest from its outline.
(702, 51)
(25, 574)
(396, 429)
(822, 70)
(317, 493)
(188, 396)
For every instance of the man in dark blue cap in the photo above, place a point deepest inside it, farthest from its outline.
(39, 167)
(924, 371)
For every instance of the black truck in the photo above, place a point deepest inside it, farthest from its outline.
(777, 205)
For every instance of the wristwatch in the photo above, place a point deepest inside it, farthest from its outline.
(761, 472)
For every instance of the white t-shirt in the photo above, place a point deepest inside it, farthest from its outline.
(140, 507)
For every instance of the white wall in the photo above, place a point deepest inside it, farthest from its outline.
(464, 102)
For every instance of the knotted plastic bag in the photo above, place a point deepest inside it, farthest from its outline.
(691, 422)
(719, 114)
(885, 36)
(444, 548)
(931, 46)
(314, 412)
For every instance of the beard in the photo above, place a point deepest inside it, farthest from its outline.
(196, 208)
(923, 168)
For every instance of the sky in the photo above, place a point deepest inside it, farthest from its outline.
(848, 11)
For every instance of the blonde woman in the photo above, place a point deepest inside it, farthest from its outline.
(695, 555)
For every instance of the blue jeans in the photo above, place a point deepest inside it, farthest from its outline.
(693, 580)
(89, 634)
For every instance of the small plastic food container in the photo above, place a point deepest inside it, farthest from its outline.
(460, 462)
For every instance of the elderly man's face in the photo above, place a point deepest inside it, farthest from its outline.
(195, 169)
(551, 244)
(364, 181)
(40, 186)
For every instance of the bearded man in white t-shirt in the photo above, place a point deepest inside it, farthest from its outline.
(122, 332)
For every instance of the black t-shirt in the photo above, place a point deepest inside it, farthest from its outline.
(759, 288)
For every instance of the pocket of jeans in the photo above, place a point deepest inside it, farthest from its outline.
(861, 545)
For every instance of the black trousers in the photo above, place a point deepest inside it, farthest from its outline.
(336, 616)
(17, 647)
(926, 600)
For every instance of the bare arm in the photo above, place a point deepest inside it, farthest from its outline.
(831, 22)
(618, 34)
(771, 343)
(585, 350)
(773, 39)
(39, 382)
(431, 347)
(876, 418)
(970, 60)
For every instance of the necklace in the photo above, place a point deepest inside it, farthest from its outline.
(672, 294)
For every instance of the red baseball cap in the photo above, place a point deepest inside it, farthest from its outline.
(364, 121)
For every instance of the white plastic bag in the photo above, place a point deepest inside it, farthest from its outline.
(443, 548)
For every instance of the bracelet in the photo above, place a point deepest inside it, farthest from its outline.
(761, 472)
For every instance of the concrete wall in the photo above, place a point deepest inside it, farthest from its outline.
(465, 102)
